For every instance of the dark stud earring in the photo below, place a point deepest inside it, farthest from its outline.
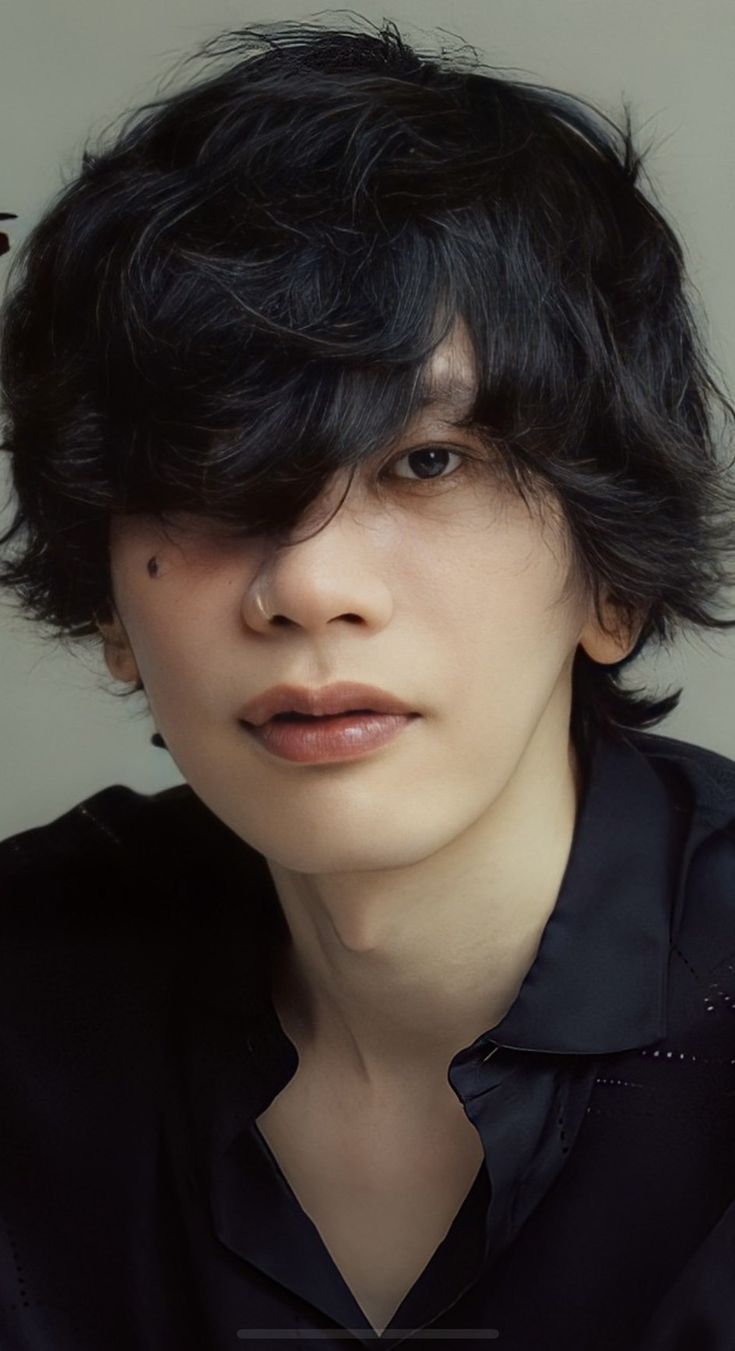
(157, 740)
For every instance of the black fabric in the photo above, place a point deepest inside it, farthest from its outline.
(141, 1208)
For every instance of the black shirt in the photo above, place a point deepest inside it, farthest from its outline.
(142, 1210)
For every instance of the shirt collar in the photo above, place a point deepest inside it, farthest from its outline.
(598, 983)
(599, 980)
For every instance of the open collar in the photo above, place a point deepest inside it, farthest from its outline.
(598, 983)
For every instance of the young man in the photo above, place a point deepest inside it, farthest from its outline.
(355, 401)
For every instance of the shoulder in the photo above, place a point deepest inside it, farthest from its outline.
(121, 877)
(109, 823)
(125, 872)
(117, 840)
(85, 873)
(85, 895)
(702, 969)
(705, 778)
(106, 917)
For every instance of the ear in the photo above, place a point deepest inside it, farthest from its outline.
(118, 652)
(612, 641)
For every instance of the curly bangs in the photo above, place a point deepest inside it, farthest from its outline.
(236, 298)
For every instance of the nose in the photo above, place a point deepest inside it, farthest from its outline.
(337, 573)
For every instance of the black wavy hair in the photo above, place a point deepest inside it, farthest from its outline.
(236, 298)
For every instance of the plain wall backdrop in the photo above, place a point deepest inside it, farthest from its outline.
(67, 70)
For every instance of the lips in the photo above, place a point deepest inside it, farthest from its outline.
(329, 701)
(332, 737)
(317, 717)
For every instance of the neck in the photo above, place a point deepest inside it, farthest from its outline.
(390, 973)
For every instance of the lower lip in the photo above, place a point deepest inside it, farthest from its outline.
(337, 738)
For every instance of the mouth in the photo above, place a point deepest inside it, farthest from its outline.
(312, 717)
(328, 737)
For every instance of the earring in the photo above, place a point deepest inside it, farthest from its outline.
(156, 739)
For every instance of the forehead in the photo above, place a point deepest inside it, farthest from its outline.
(446, 392)
(449, 380)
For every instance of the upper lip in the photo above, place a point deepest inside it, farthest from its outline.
(337, 698)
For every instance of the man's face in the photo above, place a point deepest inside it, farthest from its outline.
(444, 592)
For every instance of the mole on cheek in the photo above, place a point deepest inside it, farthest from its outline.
(152, 567)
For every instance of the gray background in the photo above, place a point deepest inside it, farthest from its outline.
(66, 70)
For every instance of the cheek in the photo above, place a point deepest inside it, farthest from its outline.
(166, 583)
(145, 602)
(511, 631)
(518, 585)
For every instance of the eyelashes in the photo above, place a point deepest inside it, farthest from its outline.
(467, 463)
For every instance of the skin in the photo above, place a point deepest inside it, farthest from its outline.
(416, 882)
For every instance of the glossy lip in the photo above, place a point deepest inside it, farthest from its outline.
(329, 739)
(345, 696)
